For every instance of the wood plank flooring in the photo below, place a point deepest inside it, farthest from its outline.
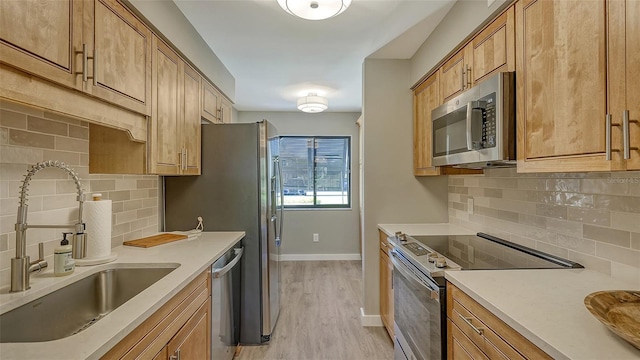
(320, 316)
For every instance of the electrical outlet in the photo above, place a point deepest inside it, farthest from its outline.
(470, 206)
(316, 237)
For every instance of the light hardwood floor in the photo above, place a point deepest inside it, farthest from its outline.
(320, 316)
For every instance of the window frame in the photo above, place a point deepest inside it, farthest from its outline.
(315, 206)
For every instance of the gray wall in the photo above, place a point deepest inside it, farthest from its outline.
(463, 18)
(391, 193)
(170, 21)
(338, 229)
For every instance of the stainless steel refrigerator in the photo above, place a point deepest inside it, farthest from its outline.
(239, 190)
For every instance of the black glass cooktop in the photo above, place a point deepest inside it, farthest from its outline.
(485, 252)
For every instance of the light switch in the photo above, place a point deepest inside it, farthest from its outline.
(470, 206)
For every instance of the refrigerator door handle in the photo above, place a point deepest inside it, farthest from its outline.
(281, 215)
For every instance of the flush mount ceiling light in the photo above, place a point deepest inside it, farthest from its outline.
(314, 9)
(312, 103)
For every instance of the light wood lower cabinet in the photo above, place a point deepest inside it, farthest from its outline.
(386, 284)
(473, 332)
(181, 324)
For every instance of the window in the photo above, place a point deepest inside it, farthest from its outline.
(316, 171)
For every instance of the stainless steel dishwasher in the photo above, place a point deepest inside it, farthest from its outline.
(225, 304)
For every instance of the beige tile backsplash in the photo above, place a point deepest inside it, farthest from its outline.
(590, 218)
(29, 135)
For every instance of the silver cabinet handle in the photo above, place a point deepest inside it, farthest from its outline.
(479, 331)
(462, 79)
(95, 67)
(468, 74)
(607, 137)
(608, 150)
(85, 60)
(176, 355)
(186, 158)
(625, 134)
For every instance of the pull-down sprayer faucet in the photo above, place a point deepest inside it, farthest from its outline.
(21, 267)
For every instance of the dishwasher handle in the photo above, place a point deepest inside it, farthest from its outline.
(219, 272)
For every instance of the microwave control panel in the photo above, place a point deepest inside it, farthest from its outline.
(488, 121)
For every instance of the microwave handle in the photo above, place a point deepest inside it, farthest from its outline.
(469, 117)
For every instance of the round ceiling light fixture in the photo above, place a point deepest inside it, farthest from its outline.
(313, 103)
(314, 9)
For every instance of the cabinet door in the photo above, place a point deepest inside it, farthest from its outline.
(561, 85)
(193, 341)
(121, 46)
(166, 153)
(191, 120)
(42, 38)
(493, 49)
(226, 111)
(384, 292)
(624, 72)
(453, 74)
(210, 102)
(426, 97)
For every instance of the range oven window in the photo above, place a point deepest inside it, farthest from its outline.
(419, 310)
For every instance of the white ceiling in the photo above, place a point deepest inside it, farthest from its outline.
(276, 57)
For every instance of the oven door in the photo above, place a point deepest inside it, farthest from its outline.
(419, 311)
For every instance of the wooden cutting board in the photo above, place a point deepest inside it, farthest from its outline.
(154, 240)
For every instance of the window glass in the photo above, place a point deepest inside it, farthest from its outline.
(316, 171)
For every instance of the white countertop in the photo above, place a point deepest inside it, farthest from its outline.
(547, 307)
(425, 229)
(192, 255)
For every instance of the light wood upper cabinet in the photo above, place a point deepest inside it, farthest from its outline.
(453, 72)
(426, 97)
(493, 49)
(121, 46)
(166, 120)
(42, 38)
(226, 111)
(191, 124)
(96, 46)
(561, 80)
(623, 76)
(175, 123)
(210, 102)
(215, 107)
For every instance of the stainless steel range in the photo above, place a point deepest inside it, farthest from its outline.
(419, 295)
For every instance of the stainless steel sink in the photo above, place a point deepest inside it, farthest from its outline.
(75, 307)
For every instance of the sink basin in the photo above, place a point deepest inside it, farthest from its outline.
(75, 307)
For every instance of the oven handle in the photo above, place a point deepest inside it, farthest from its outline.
(434, 290)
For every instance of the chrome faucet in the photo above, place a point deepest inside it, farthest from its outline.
(21, 267)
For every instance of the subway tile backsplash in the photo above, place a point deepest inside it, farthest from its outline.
(29, 135)
(590, 218)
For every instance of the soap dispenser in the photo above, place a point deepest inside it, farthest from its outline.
(63, 263)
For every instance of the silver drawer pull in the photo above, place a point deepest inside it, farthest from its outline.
(468, 321)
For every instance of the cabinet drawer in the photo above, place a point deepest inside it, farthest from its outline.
(497, 340)
(490, 343)
(462, 346)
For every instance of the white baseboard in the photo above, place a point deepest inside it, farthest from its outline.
(315, 257)
(369, 320)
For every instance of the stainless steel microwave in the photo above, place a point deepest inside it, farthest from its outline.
(477, 128)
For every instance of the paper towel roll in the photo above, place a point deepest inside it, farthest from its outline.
(97, 217)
